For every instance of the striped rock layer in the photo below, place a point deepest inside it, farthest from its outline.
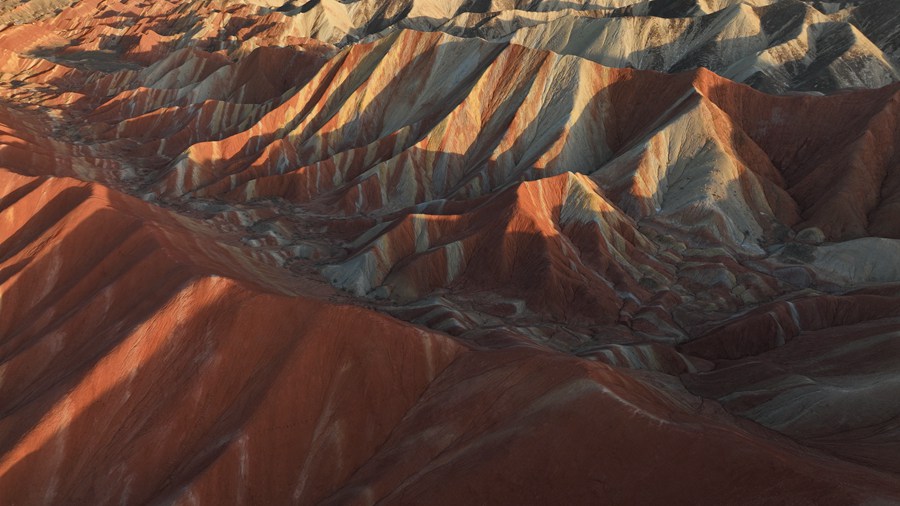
(464, 252)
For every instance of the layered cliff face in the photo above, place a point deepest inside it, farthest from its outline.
(449, 252)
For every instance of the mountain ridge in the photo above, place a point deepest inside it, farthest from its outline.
(245, 259)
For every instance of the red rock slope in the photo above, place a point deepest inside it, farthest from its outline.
(241, 265)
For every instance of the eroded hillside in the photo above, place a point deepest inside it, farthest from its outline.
(449, 252)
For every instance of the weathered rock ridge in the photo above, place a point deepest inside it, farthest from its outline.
(421, 252)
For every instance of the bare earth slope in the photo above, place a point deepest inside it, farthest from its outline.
(774, 45)
(413, 252)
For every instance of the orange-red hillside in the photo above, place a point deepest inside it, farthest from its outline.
(465, 252)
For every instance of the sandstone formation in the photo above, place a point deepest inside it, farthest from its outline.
(456, 252)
